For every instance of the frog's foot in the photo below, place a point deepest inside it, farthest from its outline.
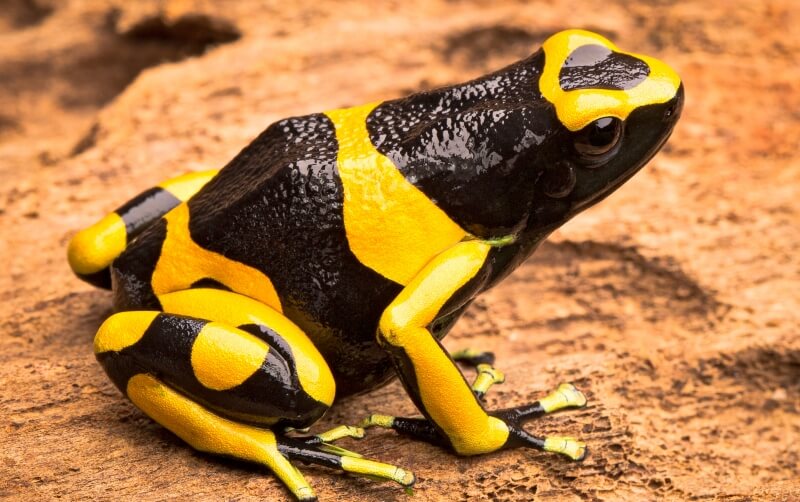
(483, 362)
(319, 450)
(342, 431)
(564, 397)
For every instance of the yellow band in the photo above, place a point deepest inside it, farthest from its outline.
(579, 107)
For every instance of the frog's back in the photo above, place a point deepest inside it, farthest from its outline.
(276, 209)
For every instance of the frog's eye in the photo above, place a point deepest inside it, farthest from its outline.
(595, 141)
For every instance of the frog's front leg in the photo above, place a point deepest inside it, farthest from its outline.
(454, 414)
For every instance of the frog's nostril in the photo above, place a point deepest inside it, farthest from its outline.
(675, 106)
(670, 112)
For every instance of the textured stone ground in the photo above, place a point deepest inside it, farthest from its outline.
(675, 303)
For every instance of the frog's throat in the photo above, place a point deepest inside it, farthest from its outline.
(576, 108)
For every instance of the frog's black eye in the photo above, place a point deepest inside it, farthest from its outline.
(595, 141)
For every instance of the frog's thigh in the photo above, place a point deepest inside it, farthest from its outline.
(428, 373)
(252, 364)
(311, 374)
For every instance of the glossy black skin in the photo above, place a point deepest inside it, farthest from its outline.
(485, 152)
(166, 347)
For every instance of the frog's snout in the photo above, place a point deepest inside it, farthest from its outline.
(675, 106)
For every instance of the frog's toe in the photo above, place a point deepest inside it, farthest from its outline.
(375, 420)
(565, 445)
(565, 396)
(569, 446)
(342, 431)
(483, 362)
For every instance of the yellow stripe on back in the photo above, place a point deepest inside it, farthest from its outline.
(183, 262)
(392, 227)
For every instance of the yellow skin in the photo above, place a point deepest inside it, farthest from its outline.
(394, 229)
(578, 108)
(93, 248)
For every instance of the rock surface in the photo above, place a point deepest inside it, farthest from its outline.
(675, 303)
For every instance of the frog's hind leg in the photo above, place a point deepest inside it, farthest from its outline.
(220, 383)
(93, 249)
(209, 383)
(209, 432)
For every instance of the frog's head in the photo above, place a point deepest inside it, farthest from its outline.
(614, 111)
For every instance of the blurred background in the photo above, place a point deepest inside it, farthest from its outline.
(674, 304)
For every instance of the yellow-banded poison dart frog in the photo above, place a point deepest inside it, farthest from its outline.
(337, 249)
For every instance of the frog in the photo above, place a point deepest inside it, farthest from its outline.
(335, 252)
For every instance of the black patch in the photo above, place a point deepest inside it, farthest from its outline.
(421, 429)
(277, 207)
(469, 147)
(145, 208)
(208, 282)
(281, 366)
(132, 271)
(597, 67)
(99, 279)
(165, 351)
